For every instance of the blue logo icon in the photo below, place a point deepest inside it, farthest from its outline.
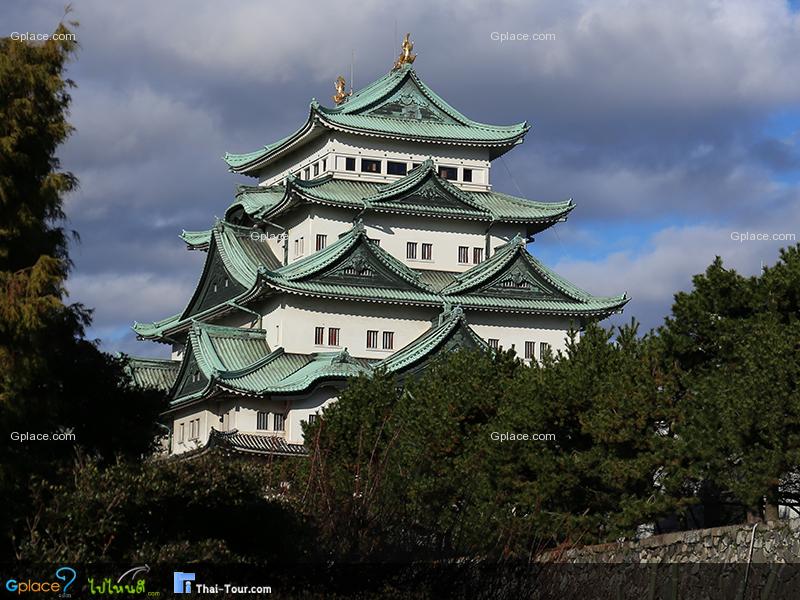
(63, 573)
(182, 582)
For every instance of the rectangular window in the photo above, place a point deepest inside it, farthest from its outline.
(388, 340)
(370, 166)
(194, 432)
(322, 241)
(450, 173)
(316, 169)
(312, 418)
(374, 241)
(493, 343)
(468, 175)
(181, 433)
(414, 165)
(427, 251)
(372, 338)
(319, 336)
(262, 421)
(544, 348)
(307, 173)
(463, 255)
(324, 164)
(278, 422)
(529, 347)
(411, 250)
(477, 255)
(349, 164)
(396, 168)
(333, 336)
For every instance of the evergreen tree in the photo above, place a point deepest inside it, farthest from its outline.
(51, 377)
(733, 340)
(417, 470)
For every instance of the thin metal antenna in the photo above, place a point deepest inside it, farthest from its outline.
(519, 189)
(352, 69)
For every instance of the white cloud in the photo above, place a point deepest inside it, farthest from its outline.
(674, 255)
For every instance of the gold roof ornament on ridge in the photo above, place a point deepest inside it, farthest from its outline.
(406, 56)
(340, 95)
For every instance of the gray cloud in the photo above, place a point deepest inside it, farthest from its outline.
(652, 116)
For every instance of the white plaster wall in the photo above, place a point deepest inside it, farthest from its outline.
(301, 408)
(208, 419)
(240, 413)
(395, 231)
(334, 147)
(446, 235)
(297, 317)
(304, 156)
(515, 329)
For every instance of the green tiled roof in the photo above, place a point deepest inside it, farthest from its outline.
(422, 192)
(353, 267)
(325, 366)
(267, 444)
(152, 373)
(255, 200)
(155, 329)
(219, 348)
(197, 240)
(513, 279)
(436, 280)
(240, 361)
(451, 332)
(241, 257)
(398, 106)
(236, 160)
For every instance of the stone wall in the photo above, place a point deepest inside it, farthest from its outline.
(773, 542)
(705, 563)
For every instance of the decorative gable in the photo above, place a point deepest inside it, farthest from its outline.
(362, 268)
(424, 189)
(216, 286)
(434, 195)
(191, 378)
(518, 280)
(410, 103)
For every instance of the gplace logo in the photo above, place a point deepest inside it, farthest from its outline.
(66, 575)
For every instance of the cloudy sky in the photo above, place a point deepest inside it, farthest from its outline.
(672, 125)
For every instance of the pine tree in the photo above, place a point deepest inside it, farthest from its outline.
(51, 377)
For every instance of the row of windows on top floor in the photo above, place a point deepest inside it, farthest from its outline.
(370, 165)
(332, 339)
(190, 431)
(387, 341)
(278, 421)
(414, 250)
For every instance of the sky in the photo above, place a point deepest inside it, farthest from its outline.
(673, 126)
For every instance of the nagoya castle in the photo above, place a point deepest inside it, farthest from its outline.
(372, 239)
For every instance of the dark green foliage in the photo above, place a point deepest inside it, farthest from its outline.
(415, 471)
(604, 402)
(51, 377)
(734, 343)
(209, 508)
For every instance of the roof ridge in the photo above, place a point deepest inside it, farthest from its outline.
(228, 329)
(257, 364)
(425, 170)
